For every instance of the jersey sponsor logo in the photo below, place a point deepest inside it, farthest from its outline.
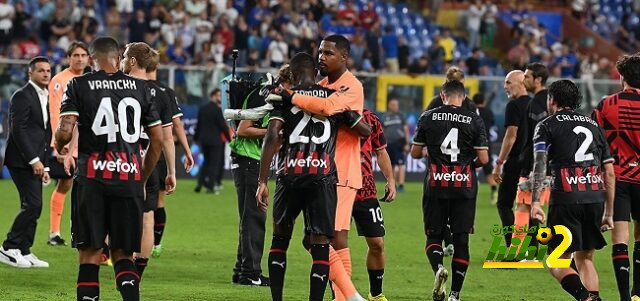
(110, 164)
(450, 176)
(580, 179)
(311, 164)
(307, 162)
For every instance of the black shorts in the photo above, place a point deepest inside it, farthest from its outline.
(152, 191)
(56, 169)
(161, 168)
(317, 202)
(627, 202)
(396, 153)
(96, 214)
(439, 212)
(583, 221)
(368, 217)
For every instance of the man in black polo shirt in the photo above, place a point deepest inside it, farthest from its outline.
(512, 144)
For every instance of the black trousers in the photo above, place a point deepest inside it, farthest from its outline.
(220, 166)
(252, 219)
(23, 229)
(507, 194)
(211, 165)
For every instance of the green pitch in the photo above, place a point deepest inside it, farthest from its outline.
(200, 244)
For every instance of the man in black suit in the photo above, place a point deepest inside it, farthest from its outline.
(29, 135)
(210, 130)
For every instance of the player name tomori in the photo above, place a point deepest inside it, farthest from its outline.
(451, 117)
(120, 84)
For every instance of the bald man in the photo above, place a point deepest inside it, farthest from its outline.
(507, 170)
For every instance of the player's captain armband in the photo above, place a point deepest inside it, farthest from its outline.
(540, 147)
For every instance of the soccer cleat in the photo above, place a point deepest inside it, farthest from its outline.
(260, 280)
(380, 297)
(400, 188)
(105, 260)
(197, 189)
(56, 241)
(157, 250)
(448, 251)
(453, 298)
(14, 258)
(438, 286)
(35, 261)
(235, 278)
(635, 298)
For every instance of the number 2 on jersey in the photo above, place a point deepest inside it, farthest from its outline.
(451, 139)
(580, 155)
(105, 114)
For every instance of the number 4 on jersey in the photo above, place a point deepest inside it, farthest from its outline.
(451, 139)
(105, 115)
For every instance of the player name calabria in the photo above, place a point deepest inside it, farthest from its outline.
(120, 84)
(451, 117)
(575, 118)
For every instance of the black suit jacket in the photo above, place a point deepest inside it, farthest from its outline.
(211, 125)
(28, 136)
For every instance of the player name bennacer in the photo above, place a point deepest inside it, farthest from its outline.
(451, 117)
(106, 84)
(575, 118)
(314, 93)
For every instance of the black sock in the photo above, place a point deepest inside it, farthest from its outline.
(434, 253)
(319, 275)
(277, 265)
(141, 264)
(573, 265)
(88, 284)
(636, 268)
(620, 258)
(572, 284)
(494, 188)
(459, 263)
(159, 219)
(127, 280)
(375, 282)
(507, 218)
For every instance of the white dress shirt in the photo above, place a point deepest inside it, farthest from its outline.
(43, 96)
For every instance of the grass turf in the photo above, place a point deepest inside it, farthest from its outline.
(200, 244)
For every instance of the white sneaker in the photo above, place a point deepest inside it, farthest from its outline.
(438, 286)
(452, 298)
(35, 262)
(356, 297)
(14, 258)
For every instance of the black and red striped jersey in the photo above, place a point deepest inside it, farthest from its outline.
(376, 141)
(576, 152)
(452, 135)
(619, 116)
(309, 141)
(112, 109)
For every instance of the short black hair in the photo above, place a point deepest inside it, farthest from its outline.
(341, 42)
(104, 45)
(478, 98)
(75, 45)
(453, 87)
(37, 59)
(565, 93)
(629, 67)
(301, 62)
(539, 71)
(216, 90)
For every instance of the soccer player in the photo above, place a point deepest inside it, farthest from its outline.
(512, 144)
(535, 78)
(137, 57)
(618, 114)
(582, 168)
(396, 131)
(453, 73)
(78, 56)
(366, 210)
(110, 108)
(489, 122)
(349, 96)
(307, 169)
(453, 137)
(159, 214)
